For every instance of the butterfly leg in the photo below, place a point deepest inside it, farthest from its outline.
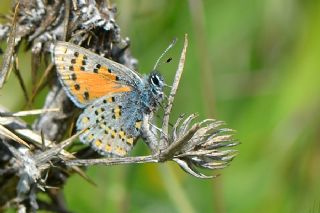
(154, 127)
(149, 136)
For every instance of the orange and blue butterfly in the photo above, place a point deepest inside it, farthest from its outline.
(115, 98)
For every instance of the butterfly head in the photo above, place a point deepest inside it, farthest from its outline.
(156, 82)
(154, 91)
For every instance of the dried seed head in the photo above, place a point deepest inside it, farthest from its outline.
(207, 147)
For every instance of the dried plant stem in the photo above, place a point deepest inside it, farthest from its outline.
(165, 155)
(20, 79)
(28, 112)
(165, 124)
(7, 58)
(55, 150)
(40, 82)
(66, 19)
(7, 133)
(113, 161)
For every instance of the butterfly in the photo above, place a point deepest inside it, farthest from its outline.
(115, 98)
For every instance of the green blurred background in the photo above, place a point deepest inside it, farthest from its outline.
(253, 64)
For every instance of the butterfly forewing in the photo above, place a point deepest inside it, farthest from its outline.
(87, 76)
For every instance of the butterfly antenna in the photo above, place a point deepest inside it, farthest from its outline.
(164, 52)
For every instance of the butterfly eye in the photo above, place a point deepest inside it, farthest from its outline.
(155, 80)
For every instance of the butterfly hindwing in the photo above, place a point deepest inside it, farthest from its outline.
(87, 76)
(113, 126)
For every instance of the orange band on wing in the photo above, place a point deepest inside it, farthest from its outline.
(90, 86)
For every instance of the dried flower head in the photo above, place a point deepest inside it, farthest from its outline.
(205, 145)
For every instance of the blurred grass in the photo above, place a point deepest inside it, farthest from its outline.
(264, 62)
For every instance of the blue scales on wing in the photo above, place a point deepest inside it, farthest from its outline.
(113, 124)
